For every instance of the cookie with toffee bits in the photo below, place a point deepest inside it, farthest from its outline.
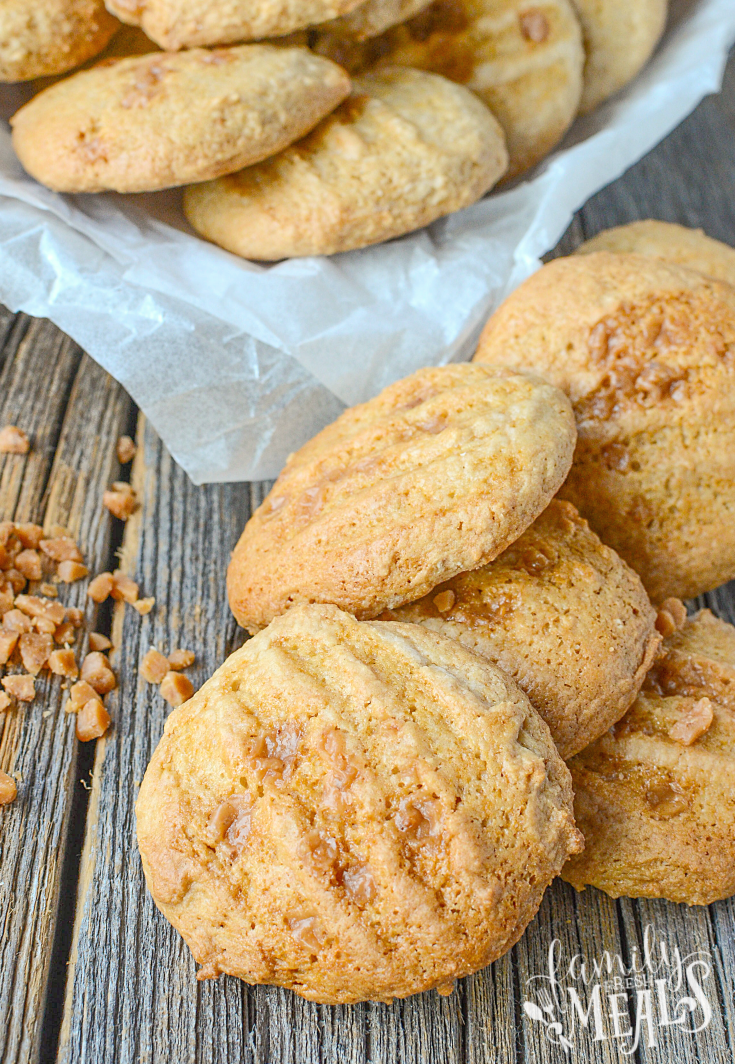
(175, 24)
(354, 810)
(671, 243)
(373, 17)
(405, 149)
(436, 475)
(619, 39)
(563, 615)
(156, 121)
(646, 351)
(523, 59)
(655, 798)
(50, 36)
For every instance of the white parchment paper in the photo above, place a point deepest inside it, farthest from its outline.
(236, 364)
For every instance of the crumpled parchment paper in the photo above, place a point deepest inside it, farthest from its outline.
(236, 364)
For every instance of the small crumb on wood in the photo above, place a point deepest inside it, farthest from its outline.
(120, 500)
(28, 562)
(19, 686)
(79, 695)
(176, 688)
(93, 720)
(65, 634)
(8, 789)
(63, 663)
(126, 450)
(181, 659)
(68, 571)
(8, 641)
(100, 588)
(35, 649)
(123, 588)
(61, 549)
(97, 672)
(154, 666)
(13, 440)
(144, 606)
(97, 641)
(29, 535)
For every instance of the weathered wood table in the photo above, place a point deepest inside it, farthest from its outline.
(90, 973)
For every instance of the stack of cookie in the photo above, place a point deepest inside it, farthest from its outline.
(284, 154)
(370, 798)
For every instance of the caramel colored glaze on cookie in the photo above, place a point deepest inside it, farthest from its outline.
(655, 798)
(524, 60)
(405, 149)
(42, 37)
(356, 811)
(175, 24)
(672, 243)
(619, 39)
(646, 351)
(156, 121)
(436, 475)
(563, 615)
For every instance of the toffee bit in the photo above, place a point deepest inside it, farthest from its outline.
(120, 500)
(176, 688)
(8, 789)
(93, 720)
(126, 450)
(154, 666)
(13, 440)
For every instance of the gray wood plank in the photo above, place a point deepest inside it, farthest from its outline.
(131, 991)
(73, 413)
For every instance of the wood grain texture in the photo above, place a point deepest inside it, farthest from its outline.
(72, 411)
(130, 994)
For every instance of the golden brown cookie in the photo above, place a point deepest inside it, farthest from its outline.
(655, 798)
(436, 475)
(156, 121)
(646, 352)
(672, 243)
(523, 59)
(405, 149)
(563, 615)
(373, 17)
(353, 810)
(175, 24)
(50, 36)
(619, 39)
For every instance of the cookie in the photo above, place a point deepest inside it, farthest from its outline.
(50, 36)
(646, 351)
(354, 810)
(655, 798)
(175, 24)
(563, 615)
(435, 476)
(619, 38)
(524, 60)
(405, 149)
(373, 17)
(672, 243)
(156, 121)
